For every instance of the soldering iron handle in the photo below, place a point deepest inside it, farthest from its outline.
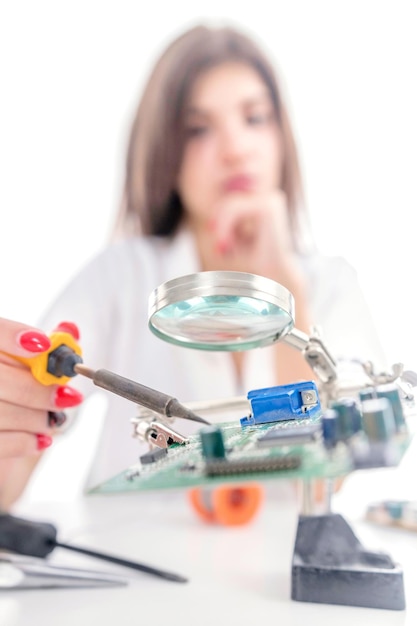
(145, 396)
(140, 394)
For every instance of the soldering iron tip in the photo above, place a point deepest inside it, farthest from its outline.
(176, 409)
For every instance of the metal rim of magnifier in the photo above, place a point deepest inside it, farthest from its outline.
(221, 283)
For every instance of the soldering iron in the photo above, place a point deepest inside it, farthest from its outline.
(58, 365)
(64, 361)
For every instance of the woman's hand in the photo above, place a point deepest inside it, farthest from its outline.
(29, 411)
(252, 234)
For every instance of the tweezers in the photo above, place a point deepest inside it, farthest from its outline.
(31, 573)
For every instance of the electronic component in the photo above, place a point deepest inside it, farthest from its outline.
(320, 446)
(283, 402)
(392, 393)
(248, 466)
(378, 419)
(156, 454)
(330, 428)
(377, 448)
(349, 419)
(288, 436)
(399, 513)
(212, 443)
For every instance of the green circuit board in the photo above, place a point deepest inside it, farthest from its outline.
(281, 450)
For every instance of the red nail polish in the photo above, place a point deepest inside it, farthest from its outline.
(70, 328)
(66, 397)
(34, 341)
(44, 441)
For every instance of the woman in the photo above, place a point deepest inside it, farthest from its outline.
(212, 183)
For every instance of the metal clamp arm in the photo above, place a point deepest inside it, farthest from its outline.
(315, 353)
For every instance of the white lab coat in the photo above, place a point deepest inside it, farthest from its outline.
(108, 300)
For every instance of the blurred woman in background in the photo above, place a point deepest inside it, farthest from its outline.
(212, 182)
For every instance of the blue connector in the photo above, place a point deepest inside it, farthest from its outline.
(284, 402)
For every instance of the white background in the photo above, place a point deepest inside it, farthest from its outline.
(71, 74)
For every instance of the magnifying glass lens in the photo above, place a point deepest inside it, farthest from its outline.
(231, 311)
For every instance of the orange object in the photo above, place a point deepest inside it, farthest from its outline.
(227, 505)
(320, 489)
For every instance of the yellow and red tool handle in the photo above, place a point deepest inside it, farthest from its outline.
(66, 334)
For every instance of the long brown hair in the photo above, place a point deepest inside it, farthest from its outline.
(150, 203)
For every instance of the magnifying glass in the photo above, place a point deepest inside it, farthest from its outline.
(231, 311)
(221, 310)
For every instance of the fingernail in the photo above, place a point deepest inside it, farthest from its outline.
(44, 441)
(34, 341)
(56, 418)
(70, 328)
(66, 397)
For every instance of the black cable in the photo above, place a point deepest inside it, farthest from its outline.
(38, 539)
(118, 561)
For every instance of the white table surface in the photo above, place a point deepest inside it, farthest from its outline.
(237, 575)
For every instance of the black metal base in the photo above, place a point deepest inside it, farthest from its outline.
(330, 566)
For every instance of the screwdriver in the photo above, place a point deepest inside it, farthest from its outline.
(38, 539)
(63, 361)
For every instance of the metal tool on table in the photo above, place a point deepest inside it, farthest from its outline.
(31, 573)
(39, 539)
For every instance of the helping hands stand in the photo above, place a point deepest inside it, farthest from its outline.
(329, 565)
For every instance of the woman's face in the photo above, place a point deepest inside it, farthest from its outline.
(233, 142)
